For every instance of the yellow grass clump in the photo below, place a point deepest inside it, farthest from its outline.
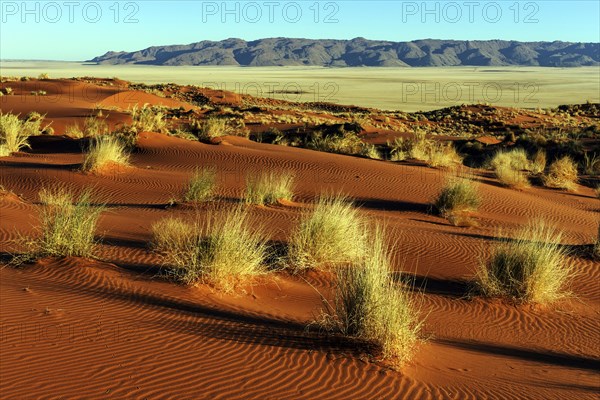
(532, 267)
(148, 119)
(14, 132)
(458, 196)
(269, 187)
(223, 250)
(105, 151)
(68, 224)
(370, 307)
(202, 185)
(330, 235)
(562, 174)
(508, 176)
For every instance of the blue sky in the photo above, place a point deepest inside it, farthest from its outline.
(79, 30)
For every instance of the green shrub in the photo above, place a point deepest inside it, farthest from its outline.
(269, 187)
(532, 267)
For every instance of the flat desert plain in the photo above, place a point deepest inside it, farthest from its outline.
(406, 89)
(113, 326)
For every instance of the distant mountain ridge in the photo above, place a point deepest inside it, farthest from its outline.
(363, 52)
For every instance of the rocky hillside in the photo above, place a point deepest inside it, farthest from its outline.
(363, 52)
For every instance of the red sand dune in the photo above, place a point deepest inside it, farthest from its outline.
(76, 328)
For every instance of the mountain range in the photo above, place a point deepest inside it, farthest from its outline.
(363, 52)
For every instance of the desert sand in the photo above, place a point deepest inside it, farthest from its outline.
(111, 328)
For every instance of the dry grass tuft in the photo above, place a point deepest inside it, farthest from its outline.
(369, 306)
(538, 164)
(458, 197)
(508, 176)
(202, 185)
(532, 267)
(330, 235)
(14, 132)
(105, 151)
(211, 128)
(269, 187)
(68, 225)
(222, 251)
(148, 119)
(562, 174)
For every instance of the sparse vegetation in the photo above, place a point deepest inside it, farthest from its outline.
(370, 307)
(148, 119)
(210, 128)
(532, 267)
(14, 133)
(562, 174)
(43, 76)
(269, 187)
(515, 159)
(222, 251)
(508, 176)
(105, 151)
(201, 186)
(330, 235)
(94, 126)
(459, 196)
(538, 164)
(444, 156)
(74, 131)
(341, 143)
(68, 224)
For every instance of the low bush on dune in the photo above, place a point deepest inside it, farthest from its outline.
(222, 251)
(94, 126)
(538, 164)
(420, 148)
(458, 197)
(269, 187)
(330, 235)
(210, 128)
(510, 177)
(370, 307)
(68, 225)
(201, 186)
(515, 159)
(444, 156)
(562, 174)
(105, 151)
(341, 142)
(532, 267)
(14, 132)
(148, 119)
